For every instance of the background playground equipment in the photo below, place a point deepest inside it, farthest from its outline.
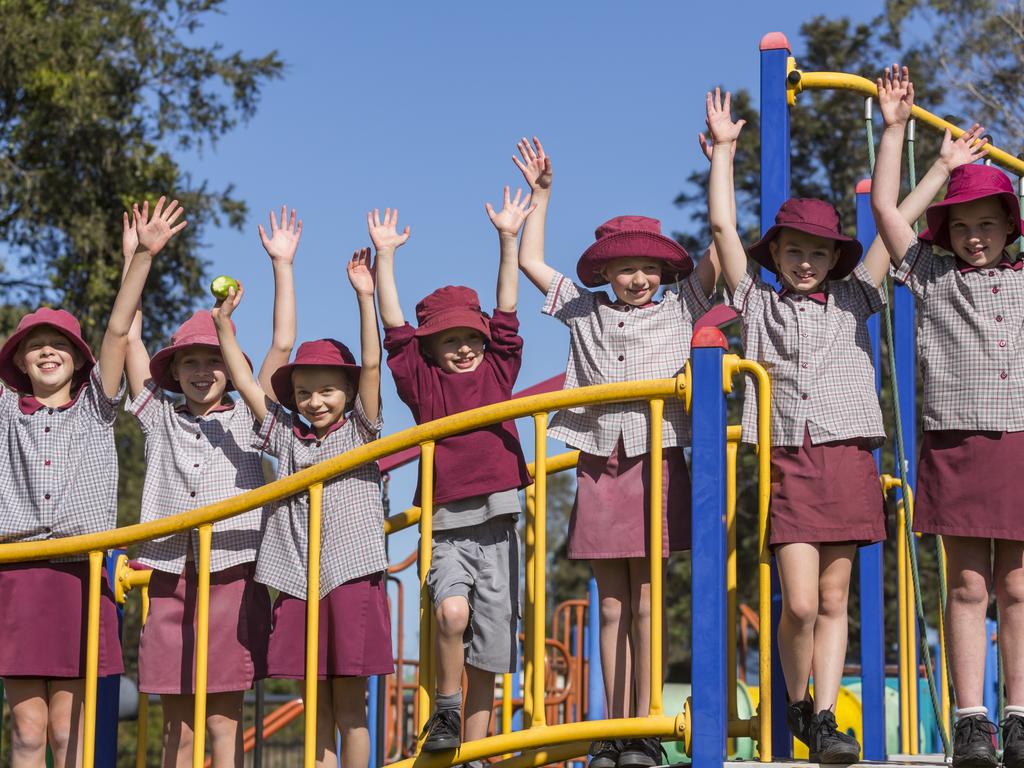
(719, 706)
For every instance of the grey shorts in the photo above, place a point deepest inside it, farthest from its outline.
(481, 564)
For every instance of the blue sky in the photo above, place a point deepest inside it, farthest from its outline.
(419, 106)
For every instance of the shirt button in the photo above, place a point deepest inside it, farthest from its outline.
(46, 429)
(47, 529)
(803, 396)
(46, 463)
(318, 442)
(999, 318)
(46, 496)
(621, 358)
(193, 494)
(991, 273)
(995, 289)
(198, 436)
(803, 335)
(621, 323)
(1002, 342)
(802, 309)
(1002, 374)
(49, 410)
(803, 365)
(196, 466)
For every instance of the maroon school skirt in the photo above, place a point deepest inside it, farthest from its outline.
(610, 518)
(239, 625)
(969, 484)
(826, 493)
(354, 637)
(44, 611)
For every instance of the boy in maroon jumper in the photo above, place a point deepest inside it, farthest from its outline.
(464, 360)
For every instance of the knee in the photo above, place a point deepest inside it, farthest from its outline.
(832, 602)
(970, 593)
(28, 729)
(642, 608)
(801, 610)
(351, 713)
(611, 610)
(453, 616)
(1011, 588)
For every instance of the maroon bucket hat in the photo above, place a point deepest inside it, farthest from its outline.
(320, 353)
(62, 321)
(628, 237)
(198, 331)
(815, 217)
(967, 183)
(454, 306)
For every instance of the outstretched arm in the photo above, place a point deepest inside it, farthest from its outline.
(360, 274)
(152, 234)
(536, 168)
(386, 239)
(721, 199)
(709, 268)
(238, 369)
(508, 222)
(281, 247)
(136, 363)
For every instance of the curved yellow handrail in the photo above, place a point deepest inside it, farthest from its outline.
(800, 81)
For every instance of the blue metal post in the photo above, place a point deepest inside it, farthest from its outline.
(775, 52)
(592, 649)
(372, 697)
(872, 616)
(108, 692)
(710, 710)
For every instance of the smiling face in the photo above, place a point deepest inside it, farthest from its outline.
(455, 350)
(978, 230)
(49, 359)
(803, 261)
(634, 280)
(203, 377)
(322, 394)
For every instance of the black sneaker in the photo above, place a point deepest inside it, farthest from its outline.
(640, 753)
(972, 743)
(604, 754)
(443, 731)
(1013, 741)
(827, 744)
(798, 718)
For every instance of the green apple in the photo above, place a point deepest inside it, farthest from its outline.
(221, 285)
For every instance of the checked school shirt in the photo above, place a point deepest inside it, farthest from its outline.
(818, 355)
(352, 513)
(610, 342)
(193, 461)
(969, 341)
(60, 473)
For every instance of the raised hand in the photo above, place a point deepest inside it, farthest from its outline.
(512, 214)
(970, 147)
(154, 232)
(384, 233)
(361, 273)
(129, 237)
(708, 147)
(895, 95)
(222, 310)
(719, 118)
(535, 165)
(284, 237)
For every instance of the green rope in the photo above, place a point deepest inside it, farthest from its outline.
(902, 466)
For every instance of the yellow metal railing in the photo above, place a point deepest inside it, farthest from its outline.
(537, 744)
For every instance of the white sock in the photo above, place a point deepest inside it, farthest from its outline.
(963, 712)
(1014, 709)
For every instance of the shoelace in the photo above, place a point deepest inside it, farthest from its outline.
(824, 726)
(969, 725)
(604, 746)
(443, 721)
(1013, 727)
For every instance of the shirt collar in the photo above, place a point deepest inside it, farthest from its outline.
(29, 404)
(183, 408)
(307, 434)
(1004, 263)
(820, 297)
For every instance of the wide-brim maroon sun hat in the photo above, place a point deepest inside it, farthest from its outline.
(198, 331)
(59, 320)
(813, 217)
(968, 183)
(322, 353)
(453, 306)
(625, 237)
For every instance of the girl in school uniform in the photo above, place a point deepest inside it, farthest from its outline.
(199, 451)
(458, 358)
(335, 406)
(812, 336)
(970, 295)
(613, 340)
(57, 412)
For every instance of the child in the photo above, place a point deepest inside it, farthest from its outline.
(199, 452)
(458, 359)
(341, 404)
(56, 422)
(970, 458)
(826, 499)
(632, 337)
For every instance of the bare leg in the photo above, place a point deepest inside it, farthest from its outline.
(969, 577)
(224, 723)
(640, 606)
(66, 702)
(616, 618)
(179, 711)
(452, 620)
(27, 699)
(326, 733)
(798, 575)
(350, 715)
(831, 629)
(479, 703)
(1009, 582)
